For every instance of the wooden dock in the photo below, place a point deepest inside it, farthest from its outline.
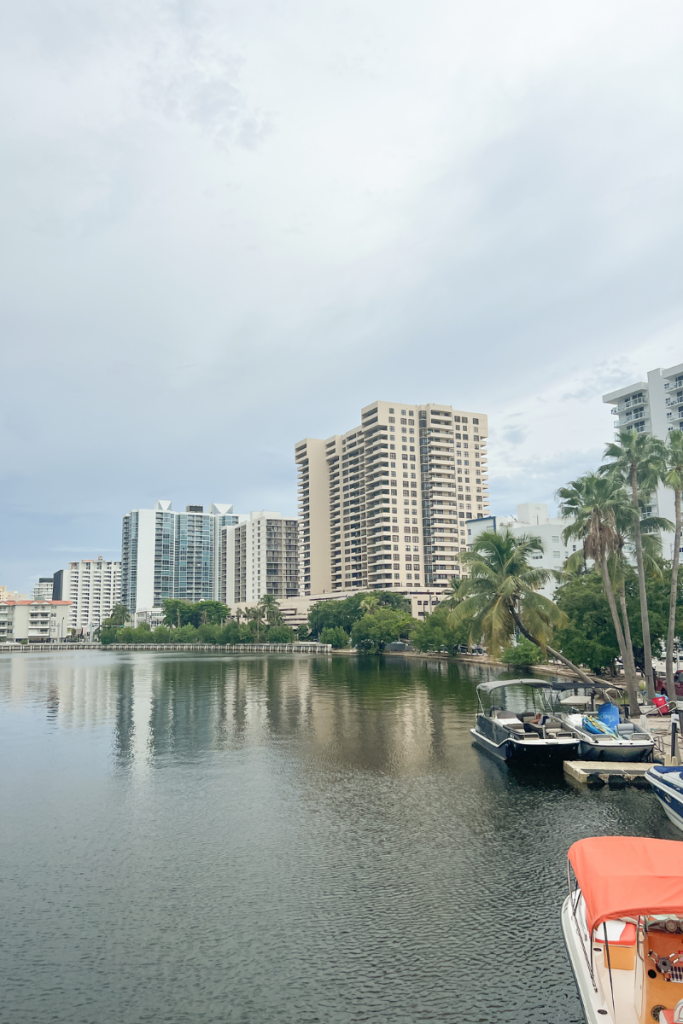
(611, 773)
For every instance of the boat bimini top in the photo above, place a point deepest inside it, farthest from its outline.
(546, 684)
(628, 876)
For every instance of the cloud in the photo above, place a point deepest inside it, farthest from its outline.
(227, 227)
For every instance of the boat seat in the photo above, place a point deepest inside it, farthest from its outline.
(621, 936)
(674, 1016)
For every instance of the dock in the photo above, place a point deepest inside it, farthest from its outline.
(608, 773)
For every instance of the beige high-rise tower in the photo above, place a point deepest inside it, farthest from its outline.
(385, 505)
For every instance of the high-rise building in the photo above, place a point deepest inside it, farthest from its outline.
(43, 589)
(93, 586)
(260, 556)
(386, 504)
(167, 554)
(654, 406)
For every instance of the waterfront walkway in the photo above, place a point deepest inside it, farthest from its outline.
(302, 648)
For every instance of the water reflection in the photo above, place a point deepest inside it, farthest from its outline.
(281, 839)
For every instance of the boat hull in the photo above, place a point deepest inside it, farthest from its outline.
(596, 1009)
(532, 752)
(615, 751)
(669, 795)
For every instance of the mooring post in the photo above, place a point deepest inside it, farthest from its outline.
(674, 728)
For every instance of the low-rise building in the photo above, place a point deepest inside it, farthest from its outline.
(93, 587)
(38, 622)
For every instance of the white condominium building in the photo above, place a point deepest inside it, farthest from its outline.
(167, 554)
(533, 520)
(654, 406)
(93, 586)
(39, 622)
(386, 504)
(260, 556)
(43, 589)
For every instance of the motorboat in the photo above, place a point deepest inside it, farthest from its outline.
(603, 734)
(667, 784)
(523, 737)
(623, 928)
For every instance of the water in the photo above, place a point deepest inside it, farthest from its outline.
(244, 840)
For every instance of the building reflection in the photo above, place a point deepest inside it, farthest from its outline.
(392, 715)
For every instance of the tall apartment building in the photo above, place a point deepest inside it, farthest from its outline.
(260, 556)
(93, 586)
(167, 554)
(654, 406)
(386, 504)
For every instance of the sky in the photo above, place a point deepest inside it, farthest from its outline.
(227, 226)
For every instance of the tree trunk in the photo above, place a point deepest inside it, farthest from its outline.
(556, 654)
(626, 653)
(644, 616)
(673, 599)
(629, 672)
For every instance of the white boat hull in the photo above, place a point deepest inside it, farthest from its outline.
(596, 1009)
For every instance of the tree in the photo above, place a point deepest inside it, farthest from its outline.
(302, 631)
(335, 635)
(271, 610)
(525, 653)
(596, 504)
(375, 630)
(280, 635)
(501, 595)
(673, 478)
(119, 616)
(639, 460)
(434, 632)
(347, 611)
(370, 603)
(256, 616)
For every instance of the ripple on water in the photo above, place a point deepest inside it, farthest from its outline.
(247, 840)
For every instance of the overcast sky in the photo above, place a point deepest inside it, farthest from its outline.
(229, 225)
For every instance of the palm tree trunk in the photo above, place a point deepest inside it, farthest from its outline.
(631, 671)
(644, 616)
(673, 599)
(556, 654)
(626, 652)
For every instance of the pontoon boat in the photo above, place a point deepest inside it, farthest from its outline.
(521, 737)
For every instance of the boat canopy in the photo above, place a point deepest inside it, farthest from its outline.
(548, 684)
(628, 876)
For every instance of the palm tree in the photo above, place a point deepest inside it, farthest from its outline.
(638, 460)
(271, 610)
(501, 595)
(118, 616)
(238, 614)
(370, 604)
(673, 478)
(256, 615)
(598, 506)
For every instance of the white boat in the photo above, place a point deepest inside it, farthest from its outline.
(623, 928)
(602, 739)
(667, 784)
(523, 737)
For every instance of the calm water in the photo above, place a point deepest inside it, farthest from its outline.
(215, 839)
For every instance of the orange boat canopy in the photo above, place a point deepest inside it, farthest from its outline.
(626, 876)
